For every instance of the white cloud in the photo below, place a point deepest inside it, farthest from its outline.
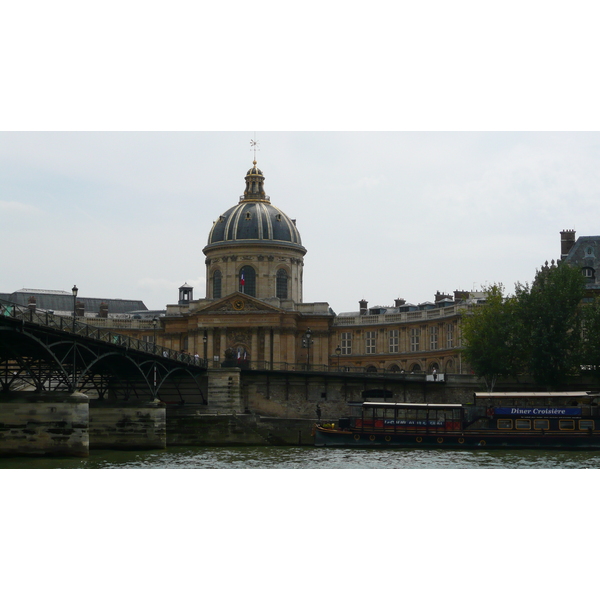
(8, 207)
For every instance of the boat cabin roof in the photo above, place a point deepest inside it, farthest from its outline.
(407, 405)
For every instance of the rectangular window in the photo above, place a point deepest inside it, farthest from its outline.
(541, 424)
(433, 337)
(414, 339)
(522, 424)
(346, 343)
(370, 342)
(394, 340)
(566, 425)
(504, 423)
(450, 335)
(586, 425)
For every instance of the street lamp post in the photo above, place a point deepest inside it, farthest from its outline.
(74, 290)
(154, 324)
(205, 340)
(338, 351)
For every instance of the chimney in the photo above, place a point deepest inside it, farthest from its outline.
(567, 241)
(32, 305)
(439, 297)
(398, 302)
(363, 307)
(103, 310)
(460, 295)
(79, 308)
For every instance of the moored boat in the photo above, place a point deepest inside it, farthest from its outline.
(501, 420)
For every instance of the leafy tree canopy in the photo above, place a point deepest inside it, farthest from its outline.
(536, 331)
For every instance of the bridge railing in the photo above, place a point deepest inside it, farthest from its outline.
(262, 365)
(72, 325)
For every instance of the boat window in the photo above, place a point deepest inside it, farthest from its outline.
(566, 424)
(541, 424)
(504, 423)
(523, 423)
(586, 425)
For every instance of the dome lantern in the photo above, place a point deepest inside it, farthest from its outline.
(255, 186)
(254, 219)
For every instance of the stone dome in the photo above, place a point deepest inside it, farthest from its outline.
(254, 218)
(254, 221)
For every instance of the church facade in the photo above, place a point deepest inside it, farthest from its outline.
(253, 314)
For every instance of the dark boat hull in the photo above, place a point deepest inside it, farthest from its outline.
(480, 439)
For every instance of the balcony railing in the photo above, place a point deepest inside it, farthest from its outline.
(404, 317)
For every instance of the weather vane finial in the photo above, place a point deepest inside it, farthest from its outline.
(254, 146)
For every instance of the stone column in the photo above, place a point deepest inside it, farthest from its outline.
(267, 333)
(381, 340)
(316, 351)
(223, 344)
(210, 345)
(291, 346)
(254, 345)
(277, 348)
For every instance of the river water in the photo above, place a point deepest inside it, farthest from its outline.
(313, 458)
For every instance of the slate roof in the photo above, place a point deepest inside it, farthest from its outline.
(63, 301)
(585, 252)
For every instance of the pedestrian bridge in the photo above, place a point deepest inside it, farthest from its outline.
(43, 352)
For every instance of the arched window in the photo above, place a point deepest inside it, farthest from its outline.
(248, 280)
(217, 284)
(282, 284)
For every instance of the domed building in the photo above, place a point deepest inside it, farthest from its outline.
(254, 248)
(254, 316)
(253, 311)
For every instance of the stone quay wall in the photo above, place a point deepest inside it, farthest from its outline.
(44, 425)
(187, 429)
(131, 426)
(297, 395)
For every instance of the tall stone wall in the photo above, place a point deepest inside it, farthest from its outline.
(289, 395)
(185, 429)
(141, 426)
(44, 425)
(224, 390)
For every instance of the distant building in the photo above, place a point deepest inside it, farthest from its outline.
(253, 313)
(62, 303)
(584, 253)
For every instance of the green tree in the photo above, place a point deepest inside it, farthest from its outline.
(590, 336)
(491, 336)
(548, 312)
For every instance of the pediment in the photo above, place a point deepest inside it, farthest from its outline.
(239, 303)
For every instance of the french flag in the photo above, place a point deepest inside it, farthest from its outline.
(242, 280)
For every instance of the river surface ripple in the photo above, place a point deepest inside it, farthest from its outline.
(313, 458)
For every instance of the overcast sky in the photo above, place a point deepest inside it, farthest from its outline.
(382, 215)
(123, 140)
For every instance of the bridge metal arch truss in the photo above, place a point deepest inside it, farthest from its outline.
(37, 355)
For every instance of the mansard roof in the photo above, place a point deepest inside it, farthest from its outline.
(62, 301)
